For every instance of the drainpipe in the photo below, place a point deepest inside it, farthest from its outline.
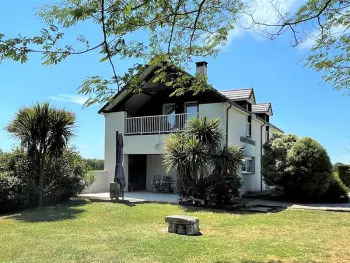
(227, 124)
(261, 153)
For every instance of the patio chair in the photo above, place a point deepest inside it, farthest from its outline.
(156, 183)
(167, 184)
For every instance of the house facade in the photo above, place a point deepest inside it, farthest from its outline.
(145, 119)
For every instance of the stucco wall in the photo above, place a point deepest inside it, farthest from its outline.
(101, 183)
(144, 144)
(114, 121)
(154, 167)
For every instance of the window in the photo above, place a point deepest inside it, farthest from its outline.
(191, 108)
(247, 166)
(249, 106)
(249, 126)
(169, 109)
(169, 121)
(267, 133)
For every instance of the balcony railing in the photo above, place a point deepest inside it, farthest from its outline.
(157, 124)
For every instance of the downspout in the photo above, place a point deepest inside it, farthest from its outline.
(261, 153)
(227, 124)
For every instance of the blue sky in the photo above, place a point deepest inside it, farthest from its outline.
(302, 103)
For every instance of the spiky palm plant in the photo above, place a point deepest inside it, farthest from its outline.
(44, 132)
(197, 153)
(208, 132)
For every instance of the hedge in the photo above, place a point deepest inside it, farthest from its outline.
(344, 174)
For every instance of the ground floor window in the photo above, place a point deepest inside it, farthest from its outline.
(247, 166)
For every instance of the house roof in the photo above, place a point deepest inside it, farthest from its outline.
(261, 108)
(238, 94)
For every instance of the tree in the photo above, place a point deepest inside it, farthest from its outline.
(205, 169)
(274, 159)
(302, 169)
(323, 23)
(177, 32)
(308, 171)
(336, 165)
(44, 132)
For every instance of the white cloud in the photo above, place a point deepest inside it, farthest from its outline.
(335, 31)
(263, 11)
(70, 98)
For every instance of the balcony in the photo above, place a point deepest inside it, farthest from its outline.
(159, 124)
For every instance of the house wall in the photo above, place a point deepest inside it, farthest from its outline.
(144, 144)
(155, 167)
(114, 121)
(153, 145)
(101, 183)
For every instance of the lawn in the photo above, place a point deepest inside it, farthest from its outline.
(107, 232)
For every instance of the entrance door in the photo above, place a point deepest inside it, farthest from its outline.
(137, 171)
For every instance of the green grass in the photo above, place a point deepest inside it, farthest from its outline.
(107, 232)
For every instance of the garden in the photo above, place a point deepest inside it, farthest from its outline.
(43, 169)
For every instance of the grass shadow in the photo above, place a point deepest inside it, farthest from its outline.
(55, 213)
(240, 211)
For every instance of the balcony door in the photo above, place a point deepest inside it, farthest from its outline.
(169, 120)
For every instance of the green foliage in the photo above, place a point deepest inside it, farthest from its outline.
(336, 165)
(344, 174)
(178, 31)
(274, 159)
(44, 133)
(205, 169)
(66, 176)
(301, 168)
(337, 191)
(95, 164)
(308, 171)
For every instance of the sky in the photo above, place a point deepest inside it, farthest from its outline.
(302, 103)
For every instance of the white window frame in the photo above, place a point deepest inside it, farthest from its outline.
(247, 160)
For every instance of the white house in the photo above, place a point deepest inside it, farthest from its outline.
(145, 119)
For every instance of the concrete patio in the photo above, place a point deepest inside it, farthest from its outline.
(138, 197)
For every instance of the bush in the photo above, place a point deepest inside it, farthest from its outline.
(65, 177)
(274, 159)
(221, 190)
(337, 191)
(309, 170)
(95, 164)
(68, 176)
(344, 174)
(301, 169)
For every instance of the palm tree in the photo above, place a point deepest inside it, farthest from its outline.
(198, 153)
(44, 132)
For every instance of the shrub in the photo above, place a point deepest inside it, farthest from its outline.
(308, 172)
(205, 169)
(344, 174)
(220, 190)
(95, 164)
(337, 191)
(68, 176)
(274, 159)
(301, 169)
(65, 177)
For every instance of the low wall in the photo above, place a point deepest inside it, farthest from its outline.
(100, 185)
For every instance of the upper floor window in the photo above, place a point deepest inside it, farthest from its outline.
(191, 108)
(168, 108)
(267, 133)
(249, 126)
